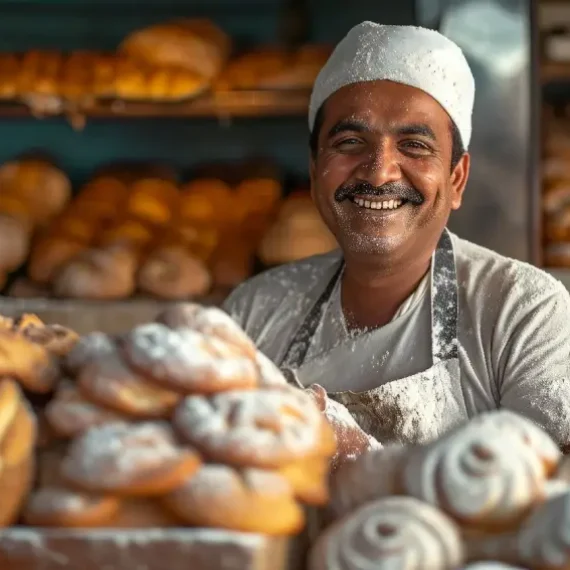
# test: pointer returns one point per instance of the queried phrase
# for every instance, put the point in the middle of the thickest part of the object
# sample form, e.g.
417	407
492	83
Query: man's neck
371	294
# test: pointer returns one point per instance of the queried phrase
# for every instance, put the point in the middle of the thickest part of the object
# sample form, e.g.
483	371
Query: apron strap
444	304
444	309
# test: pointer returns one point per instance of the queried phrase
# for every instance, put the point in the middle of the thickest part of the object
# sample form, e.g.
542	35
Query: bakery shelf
221	105
552	72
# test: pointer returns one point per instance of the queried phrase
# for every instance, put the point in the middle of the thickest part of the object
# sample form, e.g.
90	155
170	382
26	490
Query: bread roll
14	243
49	254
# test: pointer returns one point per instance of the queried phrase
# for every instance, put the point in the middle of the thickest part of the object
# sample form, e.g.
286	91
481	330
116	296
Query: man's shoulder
496	275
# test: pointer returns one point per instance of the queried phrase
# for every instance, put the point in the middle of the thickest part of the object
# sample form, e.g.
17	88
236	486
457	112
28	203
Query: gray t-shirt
513	331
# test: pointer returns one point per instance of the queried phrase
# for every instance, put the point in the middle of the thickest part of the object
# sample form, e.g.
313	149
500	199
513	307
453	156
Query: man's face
382	177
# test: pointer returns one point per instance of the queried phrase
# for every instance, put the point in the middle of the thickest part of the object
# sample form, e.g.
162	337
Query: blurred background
158	149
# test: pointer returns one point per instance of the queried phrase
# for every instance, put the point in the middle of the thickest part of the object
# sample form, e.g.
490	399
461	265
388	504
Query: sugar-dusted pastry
269	374
309	479
186	360
265	428
69	413
87	349
210	321
480	476
63	507
248	500
98	274
525	431
373	475
173	273
129	459
27	362
49	254
395	533
14	242
109	382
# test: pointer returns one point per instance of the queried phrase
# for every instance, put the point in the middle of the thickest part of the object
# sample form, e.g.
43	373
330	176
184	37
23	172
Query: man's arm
534	364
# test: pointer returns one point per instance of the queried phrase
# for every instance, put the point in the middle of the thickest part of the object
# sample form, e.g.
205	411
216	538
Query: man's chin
373	244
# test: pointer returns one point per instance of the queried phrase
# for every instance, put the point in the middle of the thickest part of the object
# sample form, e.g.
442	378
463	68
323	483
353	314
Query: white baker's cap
414	56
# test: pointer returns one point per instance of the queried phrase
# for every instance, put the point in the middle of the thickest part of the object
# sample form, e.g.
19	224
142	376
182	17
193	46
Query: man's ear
458	180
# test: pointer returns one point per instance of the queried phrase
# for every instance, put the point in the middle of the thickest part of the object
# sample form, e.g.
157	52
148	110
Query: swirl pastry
478	476
187	361
27	362
98	274
57	340
69	414
372	475
392	533
87	349
173	273
107	381
129	459
266	428
525	431
65	508
210	321
250	500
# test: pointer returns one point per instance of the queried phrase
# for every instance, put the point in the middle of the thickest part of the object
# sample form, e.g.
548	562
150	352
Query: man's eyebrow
348	125
416	129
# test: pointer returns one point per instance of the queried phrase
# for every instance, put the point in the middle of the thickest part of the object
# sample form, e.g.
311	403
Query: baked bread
49	255
25	288
153	200
14	243
173	273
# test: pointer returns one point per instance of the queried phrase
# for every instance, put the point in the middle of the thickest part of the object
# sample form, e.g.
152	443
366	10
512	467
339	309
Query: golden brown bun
49	255
129	233
143	513
44	187
81	229
194	44
200	240
232	263
153	200
9	65
14	243
174	273
17	207
98	274
25	288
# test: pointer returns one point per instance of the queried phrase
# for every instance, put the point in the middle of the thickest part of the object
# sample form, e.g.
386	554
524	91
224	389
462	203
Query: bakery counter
112	317
111	549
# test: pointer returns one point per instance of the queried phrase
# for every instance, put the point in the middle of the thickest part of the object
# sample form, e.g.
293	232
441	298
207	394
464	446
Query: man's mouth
378	202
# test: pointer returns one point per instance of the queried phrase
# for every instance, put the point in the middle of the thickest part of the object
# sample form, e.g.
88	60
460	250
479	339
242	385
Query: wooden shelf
220	105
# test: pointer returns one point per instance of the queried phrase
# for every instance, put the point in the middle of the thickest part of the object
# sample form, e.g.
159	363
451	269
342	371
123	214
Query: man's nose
380	166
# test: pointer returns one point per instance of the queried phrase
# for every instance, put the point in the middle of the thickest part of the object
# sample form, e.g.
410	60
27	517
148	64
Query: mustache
390	190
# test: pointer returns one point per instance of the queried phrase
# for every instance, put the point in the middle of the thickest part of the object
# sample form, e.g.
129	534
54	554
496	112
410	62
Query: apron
411	410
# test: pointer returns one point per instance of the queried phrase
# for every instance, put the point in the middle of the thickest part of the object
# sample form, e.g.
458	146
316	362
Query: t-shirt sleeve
534	364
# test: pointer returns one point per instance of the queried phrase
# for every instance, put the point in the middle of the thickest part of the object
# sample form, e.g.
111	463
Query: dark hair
457	150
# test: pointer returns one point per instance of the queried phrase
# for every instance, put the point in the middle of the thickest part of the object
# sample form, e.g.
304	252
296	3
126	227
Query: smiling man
409	327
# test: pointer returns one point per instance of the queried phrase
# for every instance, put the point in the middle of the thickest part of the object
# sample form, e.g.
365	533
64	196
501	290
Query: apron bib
411	410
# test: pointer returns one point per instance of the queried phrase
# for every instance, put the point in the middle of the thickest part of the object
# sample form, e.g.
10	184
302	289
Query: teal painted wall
91	24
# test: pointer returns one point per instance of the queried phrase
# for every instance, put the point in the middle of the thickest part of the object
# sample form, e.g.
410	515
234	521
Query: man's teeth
378	204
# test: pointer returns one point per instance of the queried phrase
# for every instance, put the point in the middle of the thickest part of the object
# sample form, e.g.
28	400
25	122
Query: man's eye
347	143
415	145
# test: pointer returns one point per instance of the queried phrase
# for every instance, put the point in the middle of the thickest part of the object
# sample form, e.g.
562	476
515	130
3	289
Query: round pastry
200	240
309	479
69	414
525	431
109	382
187	361
49	255
250	500
197	207
128	233
174	273
76	228
15	234
210	321
260	194
153	200
269	374
28	363
56	339
129	459
480	476
98	274
66	508
395	533
373	475
16	207
266	428
143	513
10	396
90	347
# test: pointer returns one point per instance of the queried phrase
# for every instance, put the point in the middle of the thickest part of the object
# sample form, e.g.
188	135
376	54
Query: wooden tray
172	549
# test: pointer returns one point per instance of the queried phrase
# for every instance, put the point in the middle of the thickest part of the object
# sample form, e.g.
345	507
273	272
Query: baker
410	328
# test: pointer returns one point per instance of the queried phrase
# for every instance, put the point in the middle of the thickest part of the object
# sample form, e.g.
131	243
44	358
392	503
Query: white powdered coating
89	347
186	359
544	539
253	428
373	475
490	565
396	533
476	475
50	500
269	374
525	431
113	454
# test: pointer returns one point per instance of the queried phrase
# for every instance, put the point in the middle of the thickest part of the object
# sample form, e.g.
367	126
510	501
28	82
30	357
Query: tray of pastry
176	441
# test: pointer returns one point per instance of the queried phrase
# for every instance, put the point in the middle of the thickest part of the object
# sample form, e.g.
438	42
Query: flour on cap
414	56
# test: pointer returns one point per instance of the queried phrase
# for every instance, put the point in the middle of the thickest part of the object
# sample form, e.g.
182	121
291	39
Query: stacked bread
556	193
495	490
297	232
180	422
32	193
